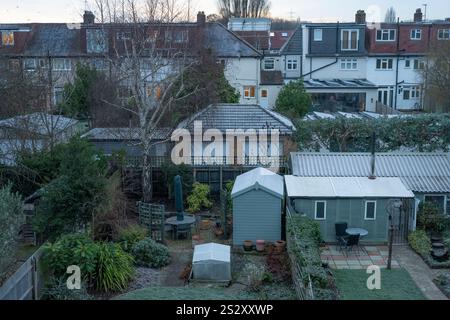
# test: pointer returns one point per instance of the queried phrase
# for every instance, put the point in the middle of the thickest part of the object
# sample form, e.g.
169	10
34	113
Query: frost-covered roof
41	123
259	178
211	252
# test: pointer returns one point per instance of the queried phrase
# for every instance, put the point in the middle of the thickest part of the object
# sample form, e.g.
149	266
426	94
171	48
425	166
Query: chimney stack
88	17
418	16
360	17
201	18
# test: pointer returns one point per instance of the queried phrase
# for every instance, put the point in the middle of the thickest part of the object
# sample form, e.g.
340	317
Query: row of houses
347	67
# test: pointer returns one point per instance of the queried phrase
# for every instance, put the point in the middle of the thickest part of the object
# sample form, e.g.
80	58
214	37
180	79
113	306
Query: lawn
160	293
396	284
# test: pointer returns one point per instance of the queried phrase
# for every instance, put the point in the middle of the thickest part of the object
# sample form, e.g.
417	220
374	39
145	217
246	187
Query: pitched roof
279	38
39	122
258	39
420	172
272	78
346	187
118	134
259	178
225	43
239	116
295	43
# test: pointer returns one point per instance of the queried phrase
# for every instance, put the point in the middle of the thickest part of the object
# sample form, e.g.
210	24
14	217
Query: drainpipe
397	64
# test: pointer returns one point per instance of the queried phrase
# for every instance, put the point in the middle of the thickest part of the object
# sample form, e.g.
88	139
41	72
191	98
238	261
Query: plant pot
270	248
205	225
280	246
260	245
248	245
218	232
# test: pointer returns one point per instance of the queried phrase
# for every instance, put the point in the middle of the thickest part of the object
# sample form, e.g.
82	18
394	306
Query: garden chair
341	234
183	230
351	242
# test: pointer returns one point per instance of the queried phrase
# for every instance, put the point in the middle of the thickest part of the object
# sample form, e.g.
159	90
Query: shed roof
119	134
211	252
39	122
346	187
259	178
420	172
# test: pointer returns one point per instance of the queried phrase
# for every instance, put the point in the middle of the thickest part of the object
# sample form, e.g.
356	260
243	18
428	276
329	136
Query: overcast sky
309	10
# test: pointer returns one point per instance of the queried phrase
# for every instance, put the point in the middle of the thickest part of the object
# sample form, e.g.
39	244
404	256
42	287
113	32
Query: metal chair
341	234
351	242
184	230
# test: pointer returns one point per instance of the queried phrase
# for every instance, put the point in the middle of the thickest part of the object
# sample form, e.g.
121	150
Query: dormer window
386	35
349	40
97	41
7	38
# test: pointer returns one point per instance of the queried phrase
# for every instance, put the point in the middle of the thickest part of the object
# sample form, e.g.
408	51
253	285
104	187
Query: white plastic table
355	231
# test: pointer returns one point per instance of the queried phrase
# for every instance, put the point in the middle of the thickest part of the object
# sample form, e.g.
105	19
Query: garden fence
27	283
304	289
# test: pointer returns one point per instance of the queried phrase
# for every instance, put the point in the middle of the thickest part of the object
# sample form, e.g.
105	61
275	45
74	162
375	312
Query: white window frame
66	62
416	34
409	61
446	200
34	64
318	34
374	210
349	61
324	210
384	60
350	31
249	90
291	63
418	64
184	36
272	60
383	32
443	34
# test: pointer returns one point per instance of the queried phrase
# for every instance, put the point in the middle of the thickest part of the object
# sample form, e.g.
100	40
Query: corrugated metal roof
346	187
39	122
239	116
259	178
420	172
117	134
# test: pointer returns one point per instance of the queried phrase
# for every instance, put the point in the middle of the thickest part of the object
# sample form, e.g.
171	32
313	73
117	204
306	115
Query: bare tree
391	16
243	8
149	56
436	75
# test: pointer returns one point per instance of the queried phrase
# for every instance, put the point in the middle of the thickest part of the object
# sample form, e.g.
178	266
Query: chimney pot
360	17
418	16
88	17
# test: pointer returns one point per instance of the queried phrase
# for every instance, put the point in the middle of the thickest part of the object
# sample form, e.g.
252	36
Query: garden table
355	231
188	220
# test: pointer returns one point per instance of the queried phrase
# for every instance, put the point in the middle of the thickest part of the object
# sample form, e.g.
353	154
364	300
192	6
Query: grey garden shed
258	198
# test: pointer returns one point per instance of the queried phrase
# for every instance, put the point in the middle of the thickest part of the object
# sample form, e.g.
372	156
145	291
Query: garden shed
258	197
211	262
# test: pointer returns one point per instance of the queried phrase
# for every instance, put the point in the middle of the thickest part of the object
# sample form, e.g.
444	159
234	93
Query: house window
29	64
415	92
317	34
168	36
284	34
407	63
444	34
7	38
60	64
386	35
441	201
269	64
97	41
264	94
384	64
123	35
406	94
292	64
416	34
58	95
320	210
371	210
349	64
180	36
249	92
99	64
419	64
349	40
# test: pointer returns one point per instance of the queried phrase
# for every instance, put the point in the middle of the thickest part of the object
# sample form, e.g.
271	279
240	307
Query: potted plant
280	246
248	245
260	245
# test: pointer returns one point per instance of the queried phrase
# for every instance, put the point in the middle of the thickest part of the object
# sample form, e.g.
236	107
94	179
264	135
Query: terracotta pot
218	232
280	246
205	224
248	245
270	248
260	245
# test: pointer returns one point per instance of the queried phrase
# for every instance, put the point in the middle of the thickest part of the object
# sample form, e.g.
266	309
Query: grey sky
310	10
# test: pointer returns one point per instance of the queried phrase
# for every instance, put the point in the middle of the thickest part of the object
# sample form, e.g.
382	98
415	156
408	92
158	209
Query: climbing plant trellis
153	217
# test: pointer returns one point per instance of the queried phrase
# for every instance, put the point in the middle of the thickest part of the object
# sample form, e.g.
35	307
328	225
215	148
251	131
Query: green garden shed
258	198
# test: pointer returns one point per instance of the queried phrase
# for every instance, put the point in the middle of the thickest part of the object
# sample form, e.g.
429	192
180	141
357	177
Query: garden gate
153	217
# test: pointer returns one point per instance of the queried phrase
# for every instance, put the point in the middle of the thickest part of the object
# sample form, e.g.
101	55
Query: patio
373	255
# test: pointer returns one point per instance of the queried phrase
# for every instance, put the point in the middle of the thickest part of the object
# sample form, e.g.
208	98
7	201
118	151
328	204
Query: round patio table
187	221
355	231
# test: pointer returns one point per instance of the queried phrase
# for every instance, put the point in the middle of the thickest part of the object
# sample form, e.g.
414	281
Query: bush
199	198
293	100
114	268
432	218
11	219
420	242
131	235
57	290
104	266
148	253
